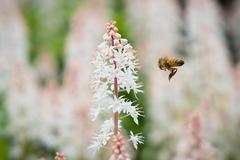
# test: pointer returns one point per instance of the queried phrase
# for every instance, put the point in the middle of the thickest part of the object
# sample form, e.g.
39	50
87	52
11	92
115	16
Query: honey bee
171	64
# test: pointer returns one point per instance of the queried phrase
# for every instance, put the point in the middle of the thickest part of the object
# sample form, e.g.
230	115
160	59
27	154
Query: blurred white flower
213	84
59	112
193	144
22	97
13	41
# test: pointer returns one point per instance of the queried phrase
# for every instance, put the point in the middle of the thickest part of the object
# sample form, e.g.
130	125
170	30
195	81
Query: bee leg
168	67
173	72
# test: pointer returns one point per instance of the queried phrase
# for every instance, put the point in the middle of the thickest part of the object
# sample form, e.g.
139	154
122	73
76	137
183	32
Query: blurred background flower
45	52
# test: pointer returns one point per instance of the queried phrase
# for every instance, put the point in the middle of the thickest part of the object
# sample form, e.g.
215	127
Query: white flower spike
114	69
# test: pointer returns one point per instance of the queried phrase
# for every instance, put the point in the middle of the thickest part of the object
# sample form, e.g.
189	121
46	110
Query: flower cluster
115	69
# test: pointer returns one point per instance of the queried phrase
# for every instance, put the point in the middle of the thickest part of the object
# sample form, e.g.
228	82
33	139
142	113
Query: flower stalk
115	92
114	70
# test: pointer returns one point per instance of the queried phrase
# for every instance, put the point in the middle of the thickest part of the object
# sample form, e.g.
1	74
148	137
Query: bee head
161	64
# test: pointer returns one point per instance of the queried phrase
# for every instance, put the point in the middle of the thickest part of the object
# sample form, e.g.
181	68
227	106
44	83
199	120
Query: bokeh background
45	52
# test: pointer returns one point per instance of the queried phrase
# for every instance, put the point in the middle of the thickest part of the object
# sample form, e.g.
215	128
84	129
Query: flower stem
116	113
115	116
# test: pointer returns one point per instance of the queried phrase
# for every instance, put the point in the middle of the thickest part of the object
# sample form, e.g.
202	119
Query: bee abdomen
179	62
175	62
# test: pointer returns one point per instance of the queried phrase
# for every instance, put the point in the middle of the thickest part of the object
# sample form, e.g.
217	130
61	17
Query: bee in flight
170	64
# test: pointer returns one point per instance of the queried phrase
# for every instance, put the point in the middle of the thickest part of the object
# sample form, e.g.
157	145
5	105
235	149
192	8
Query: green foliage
4	140
4	147
3	115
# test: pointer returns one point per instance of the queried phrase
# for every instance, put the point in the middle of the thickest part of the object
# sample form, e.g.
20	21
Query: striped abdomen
172	62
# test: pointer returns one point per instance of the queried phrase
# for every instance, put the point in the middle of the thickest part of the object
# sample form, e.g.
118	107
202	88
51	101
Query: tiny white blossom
133	111
100	140
108	126
116	106
136	139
